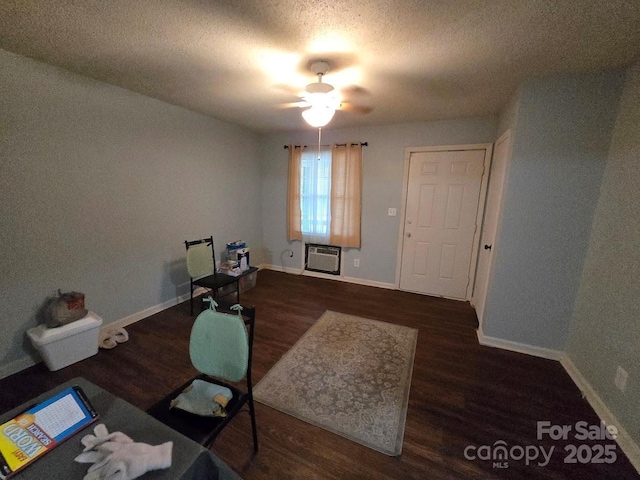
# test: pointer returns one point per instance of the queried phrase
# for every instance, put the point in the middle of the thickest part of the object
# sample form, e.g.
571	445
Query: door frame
505	137
488	149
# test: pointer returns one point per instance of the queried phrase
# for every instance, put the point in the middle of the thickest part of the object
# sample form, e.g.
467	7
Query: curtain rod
364	144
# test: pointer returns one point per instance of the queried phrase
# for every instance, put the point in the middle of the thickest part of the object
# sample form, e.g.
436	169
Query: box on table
243	258
233	247
239	255
62	346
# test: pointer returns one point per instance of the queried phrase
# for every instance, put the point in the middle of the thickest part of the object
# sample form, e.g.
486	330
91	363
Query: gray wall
509	115
560	144
606	330
99	188
382	186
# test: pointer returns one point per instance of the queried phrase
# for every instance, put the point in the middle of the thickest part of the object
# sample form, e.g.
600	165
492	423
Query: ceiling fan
321	100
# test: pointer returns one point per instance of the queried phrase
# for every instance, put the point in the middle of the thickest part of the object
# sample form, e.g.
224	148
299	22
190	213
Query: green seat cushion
199	260
219	345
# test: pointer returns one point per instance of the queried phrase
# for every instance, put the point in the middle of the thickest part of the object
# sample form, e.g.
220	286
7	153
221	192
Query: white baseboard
16	366
518	347
147	312
624	440
278	268
307	273
369	283
26	362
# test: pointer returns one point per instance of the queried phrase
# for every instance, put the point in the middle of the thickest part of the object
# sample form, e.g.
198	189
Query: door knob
488	247
408	235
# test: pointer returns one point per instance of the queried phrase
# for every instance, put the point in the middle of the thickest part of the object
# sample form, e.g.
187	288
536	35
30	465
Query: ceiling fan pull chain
319	141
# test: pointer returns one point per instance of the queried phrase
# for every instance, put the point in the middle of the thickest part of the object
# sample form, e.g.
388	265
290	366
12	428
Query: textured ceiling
241	60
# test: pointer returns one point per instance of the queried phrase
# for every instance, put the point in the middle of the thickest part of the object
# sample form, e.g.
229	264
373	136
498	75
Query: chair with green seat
201	265
221	349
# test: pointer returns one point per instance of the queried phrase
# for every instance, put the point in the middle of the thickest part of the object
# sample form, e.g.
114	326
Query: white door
493	209
443	193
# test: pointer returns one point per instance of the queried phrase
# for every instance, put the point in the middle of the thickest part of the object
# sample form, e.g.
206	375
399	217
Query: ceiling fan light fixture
318	116
322	100
319	88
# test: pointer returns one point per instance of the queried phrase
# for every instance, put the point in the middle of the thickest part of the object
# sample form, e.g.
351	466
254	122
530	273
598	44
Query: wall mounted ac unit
323	258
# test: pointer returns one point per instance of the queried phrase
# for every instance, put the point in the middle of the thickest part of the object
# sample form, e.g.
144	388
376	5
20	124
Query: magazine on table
39	429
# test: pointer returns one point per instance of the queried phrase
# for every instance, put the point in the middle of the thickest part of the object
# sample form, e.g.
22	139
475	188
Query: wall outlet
356	262
392	212
621	379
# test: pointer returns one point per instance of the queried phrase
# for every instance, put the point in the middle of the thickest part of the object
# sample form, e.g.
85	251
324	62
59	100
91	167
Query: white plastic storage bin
62	346
248	281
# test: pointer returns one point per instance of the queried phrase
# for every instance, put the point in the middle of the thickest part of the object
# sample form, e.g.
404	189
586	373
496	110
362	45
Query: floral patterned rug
348	375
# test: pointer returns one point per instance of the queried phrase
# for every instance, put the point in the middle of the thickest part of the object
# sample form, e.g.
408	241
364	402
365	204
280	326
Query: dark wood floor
461	393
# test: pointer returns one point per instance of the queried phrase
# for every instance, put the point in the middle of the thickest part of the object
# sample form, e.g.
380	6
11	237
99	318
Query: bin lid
41	335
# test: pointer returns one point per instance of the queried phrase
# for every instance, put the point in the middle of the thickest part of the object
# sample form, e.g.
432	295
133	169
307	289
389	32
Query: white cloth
115	456
90	454
127	461
199	398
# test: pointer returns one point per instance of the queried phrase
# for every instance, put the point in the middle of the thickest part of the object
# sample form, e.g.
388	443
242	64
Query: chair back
219	345
200	258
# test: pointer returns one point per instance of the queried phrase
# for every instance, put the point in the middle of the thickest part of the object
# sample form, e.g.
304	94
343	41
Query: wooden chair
211	353
201	265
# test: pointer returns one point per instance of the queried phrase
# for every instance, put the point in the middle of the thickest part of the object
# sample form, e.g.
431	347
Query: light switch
392	212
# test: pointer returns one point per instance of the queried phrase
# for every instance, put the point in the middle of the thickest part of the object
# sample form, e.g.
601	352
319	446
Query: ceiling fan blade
347	106
357	99
300	104
355	91
290	89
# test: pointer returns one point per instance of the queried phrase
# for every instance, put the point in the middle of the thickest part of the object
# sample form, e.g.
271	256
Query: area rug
348	375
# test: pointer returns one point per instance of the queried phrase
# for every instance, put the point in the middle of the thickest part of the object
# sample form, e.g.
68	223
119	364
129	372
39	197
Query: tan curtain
346	195
294	228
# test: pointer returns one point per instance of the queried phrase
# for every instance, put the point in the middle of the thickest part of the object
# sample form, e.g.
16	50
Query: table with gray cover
190	461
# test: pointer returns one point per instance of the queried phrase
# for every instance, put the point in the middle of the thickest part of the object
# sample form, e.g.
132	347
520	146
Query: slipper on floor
120	335
108	342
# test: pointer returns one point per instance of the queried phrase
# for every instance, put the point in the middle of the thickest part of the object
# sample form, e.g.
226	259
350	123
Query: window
324	195
315	195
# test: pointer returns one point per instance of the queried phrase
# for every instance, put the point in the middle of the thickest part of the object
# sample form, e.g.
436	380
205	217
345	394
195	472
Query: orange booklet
38	430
